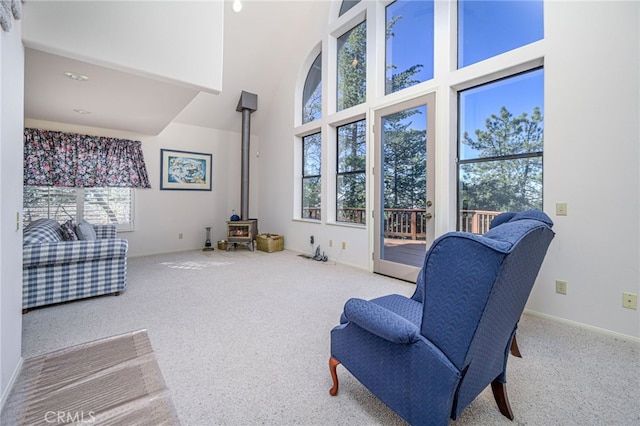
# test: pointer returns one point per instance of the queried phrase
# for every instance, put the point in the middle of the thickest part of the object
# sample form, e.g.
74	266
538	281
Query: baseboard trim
583	326
11	384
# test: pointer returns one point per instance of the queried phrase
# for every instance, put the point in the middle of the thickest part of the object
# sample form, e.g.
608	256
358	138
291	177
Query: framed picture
185	170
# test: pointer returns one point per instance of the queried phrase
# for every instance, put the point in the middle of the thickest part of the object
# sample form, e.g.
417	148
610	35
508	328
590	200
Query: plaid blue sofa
55	270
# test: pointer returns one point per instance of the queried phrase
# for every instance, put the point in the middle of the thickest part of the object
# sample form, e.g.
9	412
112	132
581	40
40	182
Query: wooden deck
407	252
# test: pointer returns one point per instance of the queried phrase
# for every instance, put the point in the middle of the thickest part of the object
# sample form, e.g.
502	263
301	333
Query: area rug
111	381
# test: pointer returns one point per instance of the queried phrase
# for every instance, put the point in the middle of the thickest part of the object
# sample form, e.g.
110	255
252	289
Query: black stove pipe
248	103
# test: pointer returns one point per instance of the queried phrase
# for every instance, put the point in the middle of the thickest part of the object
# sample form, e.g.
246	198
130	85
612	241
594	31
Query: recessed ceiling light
75	76
237	6
81	111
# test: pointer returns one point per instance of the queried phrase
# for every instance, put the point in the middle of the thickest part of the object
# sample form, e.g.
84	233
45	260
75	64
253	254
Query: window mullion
79	204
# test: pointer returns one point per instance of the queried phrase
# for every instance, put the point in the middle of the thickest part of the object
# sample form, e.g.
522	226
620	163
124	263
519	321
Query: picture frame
185	170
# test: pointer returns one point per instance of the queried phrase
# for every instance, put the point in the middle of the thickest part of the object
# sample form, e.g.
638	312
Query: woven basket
270	242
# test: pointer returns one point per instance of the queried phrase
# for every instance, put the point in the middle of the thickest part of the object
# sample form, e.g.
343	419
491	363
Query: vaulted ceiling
258	46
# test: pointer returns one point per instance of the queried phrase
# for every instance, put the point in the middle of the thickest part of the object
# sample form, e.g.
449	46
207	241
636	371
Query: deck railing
408	224
476	221
411	224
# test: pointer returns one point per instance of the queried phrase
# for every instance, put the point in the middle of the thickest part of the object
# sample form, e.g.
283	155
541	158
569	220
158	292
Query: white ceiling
258	43
115	99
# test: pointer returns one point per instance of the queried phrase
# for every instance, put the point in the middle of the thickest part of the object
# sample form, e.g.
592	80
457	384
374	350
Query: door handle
428	216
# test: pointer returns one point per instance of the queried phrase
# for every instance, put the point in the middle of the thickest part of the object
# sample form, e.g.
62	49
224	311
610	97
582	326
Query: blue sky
518	94
486	29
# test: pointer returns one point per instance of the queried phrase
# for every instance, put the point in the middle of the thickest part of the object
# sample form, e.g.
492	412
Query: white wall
11	110
591	162
154	38
161	215
277	175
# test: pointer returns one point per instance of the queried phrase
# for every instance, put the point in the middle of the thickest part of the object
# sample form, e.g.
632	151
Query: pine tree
507	174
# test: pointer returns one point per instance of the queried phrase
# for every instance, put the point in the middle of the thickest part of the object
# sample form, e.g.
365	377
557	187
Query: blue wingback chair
427	357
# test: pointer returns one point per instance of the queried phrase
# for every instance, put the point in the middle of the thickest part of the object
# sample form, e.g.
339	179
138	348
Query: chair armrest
105	231
381	321
73	251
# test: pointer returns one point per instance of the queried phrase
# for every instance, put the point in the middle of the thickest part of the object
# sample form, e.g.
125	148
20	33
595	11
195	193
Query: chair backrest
474	289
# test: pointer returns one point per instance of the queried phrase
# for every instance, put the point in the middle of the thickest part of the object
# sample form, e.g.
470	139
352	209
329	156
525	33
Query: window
312	95
381	54
404	160
351	173
108	205
409	44
489	28
311	176
500	146
347	5
95	205
352	69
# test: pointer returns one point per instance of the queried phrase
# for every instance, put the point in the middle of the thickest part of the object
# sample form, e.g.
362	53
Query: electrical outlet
311	240
344	245
561	287
629	300
561	209
330	243
180	236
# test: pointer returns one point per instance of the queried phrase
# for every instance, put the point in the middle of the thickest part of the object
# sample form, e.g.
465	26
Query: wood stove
242	232
245	230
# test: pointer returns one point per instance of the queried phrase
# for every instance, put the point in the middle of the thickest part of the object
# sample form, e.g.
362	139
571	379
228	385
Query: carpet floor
242	338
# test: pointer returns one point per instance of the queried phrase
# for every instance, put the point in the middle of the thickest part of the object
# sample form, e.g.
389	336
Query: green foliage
506	175
352	159
405	149
311	183
352	67
405	161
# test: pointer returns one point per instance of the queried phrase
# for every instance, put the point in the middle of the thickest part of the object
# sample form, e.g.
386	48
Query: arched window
347	5
312	93
381	54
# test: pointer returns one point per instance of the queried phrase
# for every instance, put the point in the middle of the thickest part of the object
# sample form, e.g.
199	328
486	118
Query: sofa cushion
68	230
85	231
42	231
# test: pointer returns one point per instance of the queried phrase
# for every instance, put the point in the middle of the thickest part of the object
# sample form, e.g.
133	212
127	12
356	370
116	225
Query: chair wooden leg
333	364
500	394
515	351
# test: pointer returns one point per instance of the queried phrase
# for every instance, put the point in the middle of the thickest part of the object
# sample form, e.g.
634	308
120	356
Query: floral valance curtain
82	161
